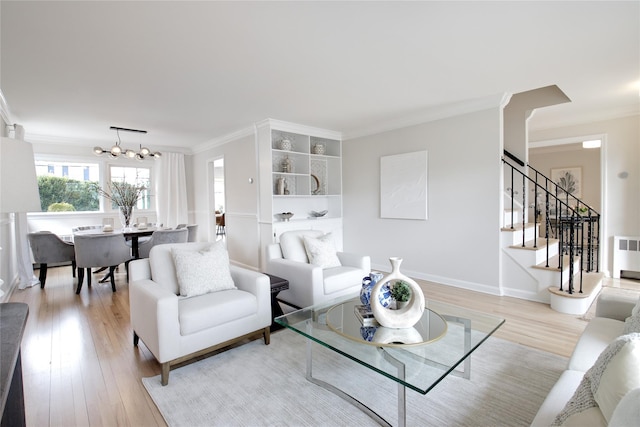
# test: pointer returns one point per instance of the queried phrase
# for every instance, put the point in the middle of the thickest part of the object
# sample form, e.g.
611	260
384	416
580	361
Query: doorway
589	162
217	199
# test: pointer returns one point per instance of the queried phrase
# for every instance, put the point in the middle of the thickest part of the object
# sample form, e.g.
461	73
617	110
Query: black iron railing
561	216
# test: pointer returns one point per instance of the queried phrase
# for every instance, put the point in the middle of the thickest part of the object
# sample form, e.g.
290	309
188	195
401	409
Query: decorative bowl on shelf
285	216
318	214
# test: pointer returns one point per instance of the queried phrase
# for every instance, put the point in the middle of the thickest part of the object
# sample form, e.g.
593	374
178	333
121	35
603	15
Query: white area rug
258	385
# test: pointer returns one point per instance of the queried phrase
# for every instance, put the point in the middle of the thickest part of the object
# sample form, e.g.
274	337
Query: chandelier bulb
116	150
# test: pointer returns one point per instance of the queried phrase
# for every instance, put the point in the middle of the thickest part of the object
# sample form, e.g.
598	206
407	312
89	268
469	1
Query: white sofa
177	328
607	326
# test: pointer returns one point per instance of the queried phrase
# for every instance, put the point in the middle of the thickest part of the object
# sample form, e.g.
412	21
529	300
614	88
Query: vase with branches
125	196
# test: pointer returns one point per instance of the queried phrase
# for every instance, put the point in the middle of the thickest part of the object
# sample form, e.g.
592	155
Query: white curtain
171	189
26	278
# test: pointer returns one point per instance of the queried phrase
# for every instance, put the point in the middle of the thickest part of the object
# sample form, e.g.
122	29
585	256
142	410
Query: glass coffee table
417	358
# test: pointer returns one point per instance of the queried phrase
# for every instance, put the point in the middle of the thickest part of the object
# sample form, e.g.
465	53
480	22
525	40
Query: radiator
626	255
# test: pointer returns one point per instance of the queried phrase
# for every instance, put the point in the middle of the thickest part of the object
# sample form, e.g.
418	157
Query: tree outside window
66	186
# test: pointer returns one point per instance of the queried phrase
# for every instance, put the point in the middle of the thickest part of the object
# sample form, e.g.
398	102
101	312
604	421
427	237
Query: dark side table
277	284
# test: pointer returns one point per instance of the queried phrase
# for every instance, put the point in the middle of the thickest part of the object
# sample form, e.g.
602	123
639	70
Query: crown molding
588	117
432	114
272	124
216	142
301	129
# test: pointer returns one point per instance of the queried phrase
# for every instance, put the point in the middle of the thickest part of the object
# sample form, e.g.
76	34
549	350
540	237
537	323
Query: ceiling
190	72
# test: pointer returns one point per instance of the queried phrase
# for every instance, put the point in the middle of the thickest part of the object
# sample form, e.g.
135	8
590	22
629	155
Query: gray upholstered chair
48	248
193	232
160	237
97	250
74	230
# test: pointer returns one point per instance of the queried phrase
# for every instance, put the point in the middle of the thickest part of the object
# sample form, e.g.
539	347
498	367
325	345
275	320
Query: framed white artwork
403	186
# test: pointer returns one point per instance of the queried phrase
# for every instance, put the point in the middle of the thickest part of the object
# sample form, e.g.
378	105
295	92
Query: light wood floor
80	366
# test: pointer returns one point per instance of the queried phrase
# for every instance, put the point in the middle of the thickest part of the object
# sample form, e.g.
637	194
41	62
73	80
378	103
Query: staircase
559	268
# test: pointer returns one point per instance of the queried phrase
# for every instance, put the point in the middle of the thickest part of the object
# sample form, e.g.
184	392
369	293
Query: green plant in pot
401	292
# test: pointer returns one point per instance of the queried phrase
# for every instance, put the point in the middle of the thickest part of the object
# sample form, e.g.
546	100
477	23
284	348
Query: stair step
555	260
518	227
541	243
591	282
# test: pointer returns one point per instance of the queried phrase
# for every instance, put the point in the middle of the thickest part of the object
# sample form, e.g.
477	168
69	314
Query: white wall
241	216
546	158
459	243
621	153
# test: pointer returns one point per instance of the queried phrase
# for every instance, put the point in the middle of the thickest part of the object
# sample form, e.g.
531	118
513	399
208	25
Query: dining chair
220	225
193	232
97	250
105	221
160	237
48	248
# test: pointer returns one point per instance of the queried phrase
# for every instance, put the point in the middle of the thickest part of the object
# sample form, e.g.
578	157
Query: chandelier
117	150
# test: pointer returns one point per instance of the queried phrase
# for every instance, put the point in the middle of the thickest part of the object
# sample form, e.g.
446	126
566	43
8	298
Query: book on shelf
365	315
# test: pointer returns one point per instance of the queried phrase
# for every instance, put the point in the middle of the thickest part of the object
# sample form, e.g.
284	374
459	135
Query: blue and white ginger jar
367	285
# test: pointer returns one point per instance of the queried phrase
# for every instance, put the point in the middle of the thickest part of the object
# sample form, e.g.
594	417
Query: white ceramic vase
405	317
285	144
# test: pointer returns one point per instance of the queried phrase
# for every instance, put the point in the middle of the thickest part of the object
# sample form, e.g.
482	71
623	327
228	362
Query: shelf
313	165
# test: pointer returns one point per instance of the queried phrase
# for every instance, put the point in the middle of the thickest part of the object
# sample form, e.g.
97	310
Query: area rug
259	385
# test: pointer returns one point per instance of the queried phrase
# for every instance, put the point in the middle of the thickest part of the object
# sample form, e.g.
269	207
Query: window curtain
171	189
26	278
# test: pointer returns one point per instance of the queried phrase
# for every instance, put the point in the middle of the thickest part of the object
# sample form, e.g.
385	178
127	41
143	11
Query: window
134	176
68	186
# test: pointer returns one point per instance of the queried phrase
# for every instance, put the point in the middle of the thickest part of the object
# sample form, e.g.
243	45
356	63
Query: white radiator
626	254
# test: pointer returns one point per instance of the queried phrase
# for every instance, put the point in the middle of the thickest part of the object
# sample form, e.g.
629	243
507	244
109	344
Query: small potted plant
401	292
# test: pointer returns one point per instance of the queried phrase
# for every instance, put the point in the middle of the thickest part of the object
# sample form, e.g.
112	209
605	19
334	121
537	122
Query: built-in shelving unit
301	172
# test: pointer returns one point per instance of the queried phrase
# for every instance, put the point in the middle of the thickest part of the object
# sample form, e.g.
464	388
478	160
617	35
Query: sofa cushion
163	270
615	373
195	313
596	337
321	251
292	244
632	323
627	413
337	279
202	271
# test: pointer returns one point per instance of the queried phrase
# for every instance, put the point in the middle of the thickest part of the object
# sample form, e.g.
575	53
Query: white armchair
177	328
312	284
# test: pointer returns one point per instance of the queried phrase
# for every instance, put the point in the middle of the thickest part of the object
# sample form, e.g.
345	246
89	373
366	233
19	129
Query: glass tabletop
435	347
